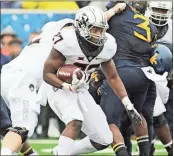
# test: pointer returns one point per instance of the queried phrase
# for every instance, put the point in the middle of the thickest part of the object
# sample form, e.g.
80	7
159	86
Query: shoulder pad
65	41
49	25
57	24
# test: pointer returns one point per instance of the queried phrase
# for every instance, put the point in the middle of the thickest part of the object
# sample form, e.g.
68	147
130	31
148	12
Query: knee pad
159	121
23	132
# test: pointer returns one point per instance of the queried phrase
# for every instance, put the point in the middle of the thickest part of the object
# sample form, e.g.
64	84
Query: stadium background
23	20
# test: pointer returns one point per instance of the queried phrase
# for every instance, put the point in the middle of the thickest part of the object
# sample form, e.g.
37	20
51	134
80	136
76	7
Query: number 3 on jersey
145	26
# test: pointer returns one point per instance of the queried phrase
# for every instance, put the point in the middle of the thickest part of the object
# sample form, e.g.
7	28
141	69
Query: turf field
44	147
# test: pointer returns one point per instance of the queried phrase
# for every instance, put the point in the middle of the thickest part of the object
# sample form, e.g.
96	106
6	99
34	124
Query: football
66	71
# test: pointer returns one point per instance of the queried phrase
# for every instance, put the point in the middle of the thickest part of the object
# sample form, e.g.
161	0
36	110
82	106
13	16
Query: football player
85	44
135	36
163	64
159	12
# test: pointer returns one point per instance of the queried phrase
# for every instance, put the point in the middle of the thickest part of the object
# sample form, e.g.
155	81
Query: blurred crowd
69	5
11	45
53	5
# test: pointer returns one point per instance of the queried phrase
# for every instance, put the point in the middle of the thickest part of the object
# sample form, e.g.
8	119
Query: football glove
132	112
76	83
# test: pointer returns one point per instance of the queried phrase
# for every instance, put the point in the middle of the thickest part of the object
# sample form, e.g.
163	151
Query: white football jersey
167	38
33	56
68	45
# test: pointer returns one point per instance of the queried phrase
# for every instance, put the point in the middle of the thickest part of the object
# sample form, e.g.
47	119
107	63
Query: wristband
126	101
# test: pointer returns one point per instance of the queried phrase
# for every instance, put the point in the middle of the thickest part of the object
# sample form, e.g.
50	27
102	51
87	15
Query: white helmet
89	17
159	12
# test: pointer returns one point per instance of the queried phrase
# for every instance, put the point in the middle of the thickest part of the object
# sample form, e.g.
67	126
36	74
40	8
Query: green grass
43	147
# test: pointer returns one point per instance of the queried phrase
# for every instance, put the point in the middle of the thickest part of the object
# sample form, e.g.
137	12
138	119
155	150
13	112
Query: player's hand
133	114
119	7
165	74
76	83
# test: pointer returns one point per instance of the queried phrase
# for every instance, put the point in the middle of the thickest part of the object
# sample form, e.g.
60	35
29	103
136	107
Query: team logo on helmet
153	59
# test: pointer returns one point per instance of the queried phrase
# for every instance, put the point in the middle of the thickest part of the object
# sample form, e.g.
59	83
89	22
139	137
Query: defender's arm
113	78
114	10
118	87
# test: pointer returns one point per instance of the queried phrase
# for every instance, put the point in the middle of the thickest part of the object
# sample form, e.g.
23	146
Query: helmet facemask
159	12
160	16
96	35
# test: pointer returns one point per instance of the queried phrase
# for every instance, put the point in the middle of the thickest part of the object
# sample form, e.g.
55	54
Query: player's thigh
64	104
136	85
95	124
5	120
148	107
111	104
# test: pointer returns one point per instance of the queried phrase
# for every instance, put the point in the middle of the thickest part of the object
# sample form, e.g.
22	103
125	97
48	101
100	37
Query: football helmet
159	12
161	59
88	18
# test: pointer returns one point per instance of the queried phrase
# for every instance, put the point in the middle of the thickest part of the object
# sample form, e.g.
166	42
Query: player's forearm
53	80
114	10
117	86
109	14
113	78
